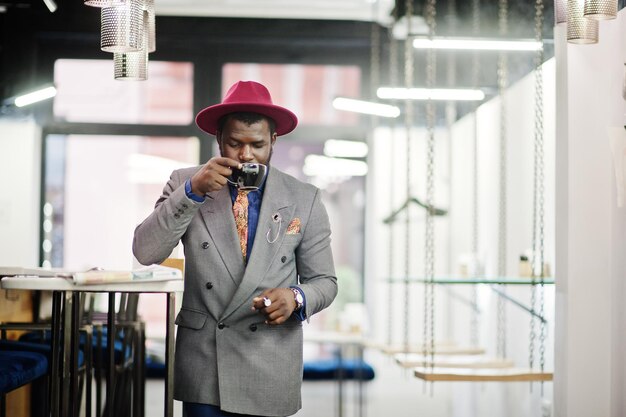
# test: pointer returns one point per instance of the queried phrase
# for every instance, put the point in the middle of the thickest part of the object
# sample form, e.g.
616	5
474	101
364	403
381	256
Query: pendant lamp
580	30
122	26
560	12
133	66
600	9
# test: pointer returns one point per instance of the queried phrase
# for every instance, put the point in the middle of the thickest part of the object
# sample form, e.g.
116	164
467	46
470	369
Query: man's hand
281	304
212	176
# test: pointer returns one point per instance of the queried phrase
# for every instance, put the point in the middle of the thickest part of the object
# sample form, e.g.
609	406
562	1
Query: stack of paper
149	273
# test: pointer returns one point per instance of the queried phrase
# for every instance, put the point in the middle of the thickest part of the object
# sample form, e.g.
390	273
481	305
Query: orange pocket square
294	227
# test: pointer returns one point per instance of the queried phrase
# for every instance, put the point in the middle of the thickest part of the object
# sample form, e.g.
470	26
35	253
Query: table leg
67	354
56	343
169	355
110	394
340	378
74	387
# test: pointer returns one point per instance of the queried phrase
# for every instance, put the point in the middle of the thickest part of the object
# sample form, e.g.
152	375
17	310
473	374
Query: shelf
439	350
468	362
451	280
482	375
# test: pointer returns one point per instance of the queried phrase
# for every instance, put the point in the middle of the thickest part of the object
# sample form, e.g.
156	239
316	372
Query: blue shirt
254	207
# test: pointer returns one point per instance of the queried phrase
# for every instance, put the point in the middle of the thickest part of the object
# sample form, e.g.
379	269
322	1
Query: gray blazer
225	354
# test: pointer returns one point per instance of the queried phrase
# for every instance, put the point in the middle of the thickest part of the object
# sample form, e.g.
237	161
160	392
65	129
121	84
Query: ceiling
454	17
365	10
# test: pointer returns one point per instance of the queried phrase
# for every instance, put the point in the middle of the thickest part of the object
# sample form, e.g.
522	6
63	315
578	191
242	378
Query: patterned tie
240	210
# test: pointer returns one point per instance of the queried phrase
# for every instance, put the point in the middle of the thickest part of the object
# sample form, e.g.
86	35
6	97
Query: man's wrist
298	298
190	194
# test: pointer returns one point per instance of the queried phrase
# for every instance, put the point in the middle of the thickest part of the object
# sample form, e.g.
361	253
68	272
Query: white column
590	238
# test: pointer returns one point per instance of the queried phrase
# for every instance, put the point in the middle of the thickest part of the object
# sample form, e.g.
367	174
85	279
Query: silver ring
267	302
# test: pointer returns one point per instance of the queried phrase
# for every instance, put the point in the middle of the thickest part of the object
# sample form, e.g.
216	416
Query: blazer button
253	327
176	215
209	285
185	206
221	326
283	259
205	245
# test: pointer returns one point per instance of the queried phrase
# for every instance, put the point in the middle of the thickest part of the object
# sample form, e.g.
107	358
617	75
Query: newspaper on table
149	273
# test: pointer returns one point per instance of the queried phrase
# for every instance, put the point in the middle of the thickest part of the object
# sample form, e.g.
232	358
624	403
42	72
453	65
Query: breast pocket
191	319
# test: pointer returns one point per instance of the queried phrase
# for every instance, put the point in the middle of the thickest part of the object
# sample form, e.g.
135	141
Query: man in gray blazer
249	284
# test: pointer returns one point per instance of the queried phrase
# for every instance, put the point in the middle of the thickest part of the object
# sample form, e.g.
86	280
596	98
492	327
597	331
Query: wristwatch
298	297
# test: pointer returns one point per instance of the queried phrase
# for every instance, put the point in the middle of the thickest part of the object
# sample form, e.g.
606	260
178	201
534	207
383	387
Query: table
65	322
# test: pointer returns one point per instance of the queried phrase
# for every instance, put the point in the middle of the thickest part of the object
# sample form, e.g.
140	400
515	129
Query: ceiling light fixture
345	148
560	12
580	30
600	9
445	94
35	96
521	45
366	107
51	5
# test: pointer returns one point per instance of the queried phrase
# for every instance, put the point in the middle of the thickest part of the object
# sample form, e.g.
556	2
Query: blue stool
340	370
18	368
334	369
40	388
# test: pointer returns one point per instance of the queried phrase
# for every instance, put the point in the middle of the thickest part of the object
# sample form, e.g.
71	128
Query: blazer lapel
276	211
217	212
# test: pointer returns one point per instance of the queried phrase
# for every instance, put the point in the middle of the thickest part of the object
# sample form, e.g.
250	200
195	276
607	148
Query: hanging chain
393	81
538	197
502	244
474	249
429	250
374	60
408	122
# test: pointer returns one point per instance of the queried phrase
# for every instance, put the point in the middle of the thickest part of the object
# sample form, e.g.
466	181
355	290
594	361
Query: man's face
246	143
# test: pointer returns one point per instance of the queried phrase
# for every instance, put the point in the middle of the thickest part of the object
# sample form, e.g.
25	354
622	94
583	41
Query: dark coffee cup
249	177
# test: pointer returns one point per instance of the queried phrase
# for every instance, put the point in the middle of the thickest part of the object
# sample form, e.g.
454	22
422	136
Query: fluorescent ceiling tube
478	44
345	148
51	5
366	107
35	96
446	94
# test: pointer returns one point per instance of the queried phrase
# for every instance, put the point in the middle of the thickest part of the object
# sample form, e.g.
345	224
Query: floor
392	392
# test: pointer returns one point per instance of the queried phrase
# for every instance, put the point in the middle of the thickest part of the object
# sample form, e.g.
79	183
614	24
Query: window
307	90
165	98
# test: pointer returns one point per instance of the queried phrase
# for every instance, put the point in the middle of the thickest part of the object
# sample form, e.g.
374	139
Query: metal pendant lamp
122	26
133	66
580	30
600	9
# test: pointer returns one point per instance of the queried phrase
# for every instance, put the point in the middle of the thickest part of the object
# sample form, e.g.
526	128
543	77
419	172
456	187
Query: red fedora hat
247	96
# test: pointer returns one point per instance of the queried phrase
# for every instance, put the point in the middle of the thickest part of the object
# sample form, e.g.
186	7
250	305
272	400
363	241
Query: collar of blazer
218	217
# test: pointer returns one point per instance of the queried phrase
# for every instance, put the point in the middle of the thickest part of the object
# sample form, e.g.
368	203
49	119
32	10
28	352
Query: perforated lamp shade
133	66
98	3
600	9
122	26
151	22
580	29
560	12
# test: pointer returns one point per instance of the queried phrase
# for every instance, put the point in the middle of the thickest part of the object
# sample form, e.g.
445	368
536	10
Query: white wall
20	149
590	345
